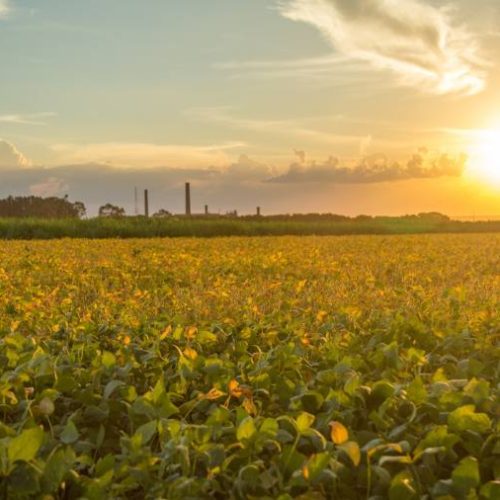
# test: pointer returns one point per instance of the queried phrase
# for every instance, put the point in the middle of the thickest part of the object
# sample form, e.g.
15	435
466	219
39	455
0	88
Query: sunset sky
345	106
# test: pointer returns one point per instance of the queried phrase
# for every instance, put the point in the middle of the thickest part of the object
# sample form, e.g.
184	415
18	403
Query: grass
140	227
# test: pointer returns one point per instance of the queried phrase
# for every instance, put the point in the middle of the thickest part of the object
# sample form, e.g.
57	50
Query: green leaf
25	446
70	433
491	490
351	449
108	359
147	431
403	487
58	465
466	475
315	465
304	421
416	391
246	430
465	418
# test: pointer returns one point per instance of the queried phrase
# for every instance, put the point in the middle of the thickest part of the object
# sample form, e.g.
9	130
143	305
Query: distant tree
80	209
162	213
110	210
434	216
35	206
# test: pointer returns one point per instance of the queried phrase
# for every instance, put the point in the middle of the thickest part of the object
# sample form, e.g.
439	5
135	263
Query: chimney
188	198
206	209
258	211
146	203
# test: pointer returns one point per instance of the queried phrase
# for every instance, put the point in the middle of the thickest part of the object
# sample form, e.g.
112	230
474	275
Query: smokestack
146	203
258	211
188	198
206	209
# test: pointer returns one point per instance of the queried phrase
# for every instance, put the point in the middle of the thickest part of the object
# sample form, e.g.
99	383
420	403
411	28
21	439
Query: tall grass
141	227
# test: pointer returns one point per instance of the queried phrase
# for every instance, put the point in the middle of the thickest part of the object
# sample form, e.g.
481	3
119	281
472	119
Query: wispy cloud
4	8
145	155
418	42
27	119
373	169
290	128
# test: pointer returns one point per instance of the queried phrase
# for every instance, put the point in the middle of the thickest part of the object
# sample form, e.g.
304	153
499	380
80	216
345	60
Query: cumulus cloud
52	186
419	42
374	169
10	156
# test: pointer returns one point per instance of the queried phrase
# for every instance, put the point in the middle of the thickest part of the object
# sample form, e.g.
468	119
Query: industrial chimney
188	198
146	203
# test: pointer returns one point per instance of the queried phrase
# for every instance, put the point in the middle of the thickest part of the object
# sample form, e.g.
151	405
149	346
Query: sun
485	156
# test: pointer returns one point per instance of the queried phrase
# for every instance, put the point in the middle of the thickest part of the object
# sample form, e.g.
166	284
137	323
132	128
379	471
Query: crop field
278	367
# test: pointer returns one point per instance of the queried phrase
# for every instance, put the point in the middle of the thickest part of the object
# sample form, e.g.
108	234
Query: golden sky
347	106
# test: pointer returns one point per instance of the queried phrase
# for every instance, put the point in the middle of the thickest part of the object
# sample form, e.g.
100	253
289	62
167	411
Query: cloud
27	119
52	186
4	8
418	42
147	155
374	169
10	157
287	128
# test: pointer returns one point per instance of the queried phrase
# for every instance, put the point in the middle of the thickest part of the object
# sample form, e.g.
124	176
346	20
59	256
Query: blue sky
297	105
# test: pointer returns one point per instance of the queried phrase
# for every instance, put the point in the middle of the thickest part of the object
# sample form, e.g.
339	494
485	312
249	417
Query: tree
35	206
110	210
162	213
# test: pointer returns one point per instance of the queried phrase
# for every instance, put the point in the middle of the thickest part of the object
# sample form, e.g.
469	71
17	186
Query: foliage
110	210
47	208
114	225
348	367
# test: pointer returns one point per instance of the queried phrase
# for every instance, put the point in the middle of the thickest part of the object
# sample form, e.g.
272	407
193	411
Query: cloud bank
418	42
11	157
374	169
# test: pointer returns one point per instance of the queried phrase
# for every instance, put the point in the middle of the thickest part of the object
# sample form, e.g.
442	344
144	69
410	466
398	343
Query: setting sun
485	156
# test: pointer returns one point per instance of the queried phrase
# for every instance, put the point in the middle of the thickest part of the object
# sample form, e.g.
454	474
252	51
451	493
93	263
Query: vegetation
46	208
116	226
110	210
349	367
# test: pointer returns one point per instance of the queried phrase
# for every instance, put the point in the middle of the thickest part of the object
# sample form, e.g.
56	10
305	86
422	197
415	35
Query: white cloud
11	157
52	186
4	8
26	119
418	42
147	155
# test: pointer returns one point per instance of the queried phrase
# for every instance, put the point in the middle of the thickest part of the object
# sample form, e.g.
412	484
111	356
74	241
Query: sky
346	106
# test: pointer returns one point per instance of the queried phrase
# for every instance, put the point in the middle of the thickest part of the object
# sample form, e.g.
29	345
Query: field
214	226
281	367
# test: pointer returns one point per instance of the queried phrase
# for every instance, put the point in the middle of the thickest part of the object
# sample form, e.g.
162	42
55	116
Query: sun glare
485	157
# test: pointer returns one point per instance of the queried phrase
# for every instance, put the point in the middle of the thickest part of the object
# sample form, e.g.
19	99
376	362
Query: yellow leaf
338	432
190	353
249	406
235	389
214	394
166	332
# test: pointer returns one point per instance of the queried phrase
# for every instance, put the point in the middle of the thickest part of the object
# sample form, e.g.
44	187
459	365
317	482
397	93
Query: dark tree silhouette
162	213
47	208
110	210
